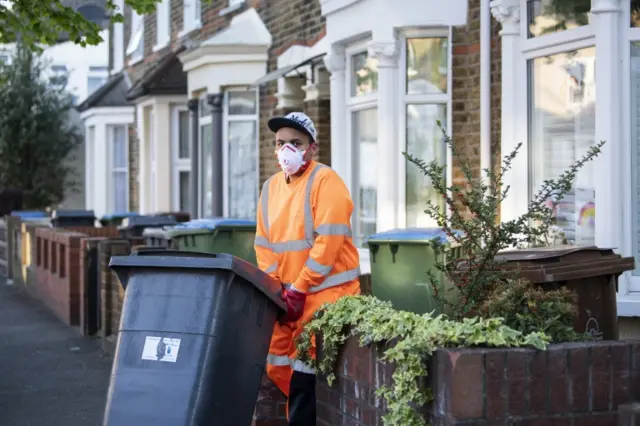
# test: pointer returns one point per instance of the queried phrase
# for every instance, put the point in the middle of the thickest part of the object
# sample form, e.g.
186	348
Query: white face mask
291	159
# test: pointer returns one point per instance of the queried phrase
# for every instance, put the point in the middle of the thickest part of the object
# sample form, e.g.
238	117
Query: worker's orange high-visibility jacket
303	237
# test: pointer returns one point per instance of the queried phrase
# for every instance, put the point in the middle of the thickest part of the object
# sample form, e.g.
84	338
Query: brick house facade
190	73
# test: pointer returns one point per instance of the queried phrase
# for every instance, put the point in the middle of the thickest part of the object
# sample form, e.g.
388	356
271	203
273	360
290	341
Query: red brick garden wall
569	384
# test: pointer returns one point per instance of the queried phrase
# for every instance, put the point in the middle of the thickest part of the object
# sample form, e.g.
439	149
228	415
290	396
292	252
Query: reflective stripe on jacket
303	234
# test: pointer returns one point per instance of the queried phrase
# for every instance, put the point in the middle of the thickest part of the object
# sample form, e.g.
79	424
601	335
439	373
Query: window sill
231	8
136	60
188	30
158	47
629	305
365	261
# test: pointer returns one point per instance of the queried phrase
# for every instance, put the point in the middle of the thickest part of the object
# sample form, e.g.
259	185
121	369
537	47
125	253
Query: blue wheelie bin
193	339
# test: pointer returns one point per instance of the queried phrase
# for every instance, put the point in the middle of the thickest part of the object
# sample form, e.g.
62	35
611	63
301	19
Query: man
303	239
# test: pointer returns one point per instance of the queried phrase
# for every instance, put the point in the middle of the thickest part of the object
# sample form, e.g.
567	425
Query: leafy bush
528	308
473	208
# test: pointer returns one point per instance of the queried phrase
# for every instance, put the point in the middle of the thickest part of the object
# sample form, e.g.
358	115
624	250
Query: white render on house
107	158
229	63
593	74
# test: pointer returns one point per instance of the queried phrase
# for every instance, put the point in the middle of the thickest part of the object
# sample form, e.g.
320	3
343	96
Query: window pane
242	103
120	192
184	195
204	108
635	13
562	117
183	134
206	178
364	74
635	152
119	147
427	62
365	141
550	16
243	169
424	141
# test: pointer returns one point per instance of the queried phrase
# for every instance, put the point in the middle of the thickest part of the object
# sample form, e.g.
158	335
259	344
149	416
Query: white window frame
153	161
178	164
355	104
118	40
113	169
104	75
135	49
202	121
225	145
629	285
163	24
405	99
191	16
90	163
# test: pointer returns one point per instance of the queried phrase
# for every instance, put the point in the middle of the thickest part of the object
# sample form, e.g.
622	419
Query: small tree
473	210
36	135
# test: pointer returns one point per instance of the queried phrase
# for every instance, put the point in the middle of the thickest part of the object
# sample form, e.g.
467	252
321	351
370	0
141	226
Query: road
49	374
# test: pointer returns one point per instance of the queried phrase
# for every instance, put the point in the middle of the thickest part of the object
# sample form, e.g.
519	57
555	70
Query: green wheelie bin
219	235
400	260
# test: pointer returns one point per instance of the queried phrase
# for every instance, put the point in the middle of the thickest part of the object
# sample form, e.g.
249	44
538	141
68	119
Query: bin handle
161	251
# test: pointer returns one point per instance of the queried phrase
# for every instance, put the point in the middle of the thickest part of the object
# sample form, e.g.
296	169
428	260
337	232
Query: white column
143	161
513	117
340	145
387	202
606	21
162	135
101	170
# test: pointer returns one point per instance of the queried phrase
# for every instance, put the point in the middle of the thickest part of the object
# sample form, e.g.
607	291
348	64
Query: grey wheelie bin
133	227
400	259
219	235
115	219
193	339
71	218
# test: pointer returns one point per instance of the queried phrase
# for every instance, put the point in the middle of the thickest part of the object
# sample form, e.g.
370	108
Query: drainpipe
485	86
217	207
195	161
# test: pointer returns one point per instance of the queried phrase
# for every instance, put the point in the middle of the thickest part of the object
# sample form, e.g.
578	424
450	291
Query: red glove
294	300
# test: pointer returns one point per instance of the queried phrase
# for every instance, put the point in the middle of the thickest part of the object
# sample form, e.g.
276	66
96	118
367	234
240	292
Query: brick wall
291	22
569	384
320	112
111	293
466	91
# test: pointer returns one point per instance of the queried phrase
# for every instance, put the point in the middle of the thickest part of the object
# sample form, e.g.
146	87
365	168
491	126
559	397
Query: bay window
426	97
362	104
191	16
415	79
119	165
240	153
205	188
181	159
561	130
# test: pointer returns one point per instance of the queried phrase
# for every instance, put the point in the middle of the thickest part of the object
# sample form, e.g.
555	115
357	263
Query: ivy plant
407	340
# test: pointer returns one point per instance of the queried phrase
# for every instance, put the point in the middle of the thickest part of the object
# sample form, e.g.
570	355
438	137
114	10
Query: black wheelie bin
193	339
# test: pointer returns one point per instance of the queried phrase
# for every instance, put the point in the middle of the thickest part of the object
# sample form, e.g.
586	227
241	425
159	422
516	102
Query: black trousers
302	399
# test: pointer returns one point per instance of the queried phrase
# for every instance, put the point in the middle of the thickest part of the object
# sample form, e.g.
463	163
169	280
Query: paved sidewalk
49	374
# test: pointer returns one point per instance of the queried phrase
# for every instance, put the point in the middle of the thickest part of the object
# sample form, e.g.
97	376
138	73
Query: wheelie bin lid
147	222
411	236
73	214
208	225
177	259
119	215
29	214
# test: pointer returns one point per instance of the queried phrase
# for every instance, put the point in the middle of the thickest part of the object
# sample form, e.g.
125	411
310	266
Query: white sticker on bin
161	349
